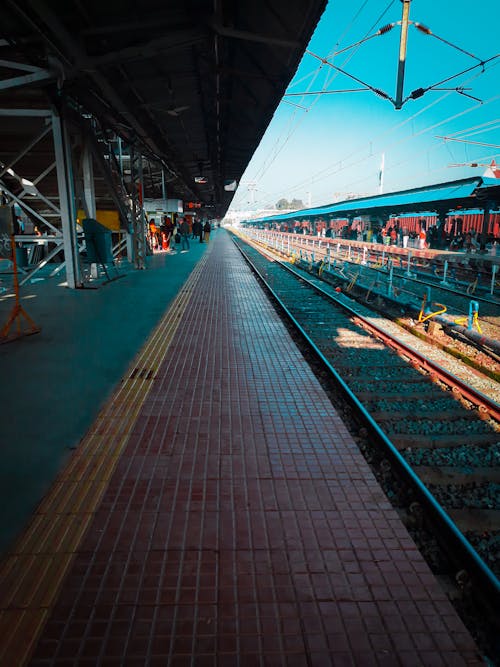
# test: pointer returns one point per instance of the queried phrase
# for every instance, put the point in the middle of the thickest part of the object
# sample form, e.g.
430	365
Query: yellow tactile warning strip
31	575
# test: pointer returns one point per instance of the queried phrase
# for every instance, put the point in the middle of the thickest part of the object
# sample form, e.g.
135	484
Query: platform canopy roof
194	82
468	193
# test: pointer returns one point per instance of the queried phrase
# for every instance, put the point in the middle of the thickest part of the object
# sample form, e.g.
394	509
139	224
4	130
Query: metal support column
163	189
402	53
442	215
138	216
65	185
88	181
486	223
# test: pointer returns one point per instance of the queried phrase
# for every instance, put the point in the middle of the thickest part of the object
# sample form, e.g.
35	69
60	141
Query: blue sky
333	144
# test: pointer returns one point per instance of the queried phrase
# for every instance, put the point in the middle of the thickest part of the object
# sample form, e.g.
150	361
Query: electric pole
405	19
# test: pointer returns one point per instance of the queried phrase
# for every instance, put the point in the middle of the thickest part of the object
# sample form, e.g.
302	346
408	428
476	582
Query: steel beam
25	150
28	208
138	216
21	113
67	200
111	173
24	67
44	262
26	79
183	39
483	237
76	53
88	180
245	35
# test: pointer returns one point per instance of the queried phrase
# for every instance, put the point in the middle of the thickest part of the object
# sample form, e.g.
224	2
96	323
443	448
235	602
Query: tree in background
284	204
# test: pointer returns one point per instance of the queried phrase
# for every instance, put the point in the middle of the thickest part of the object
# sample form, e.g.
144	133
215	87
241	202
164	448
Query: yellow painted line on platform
24	625
32	574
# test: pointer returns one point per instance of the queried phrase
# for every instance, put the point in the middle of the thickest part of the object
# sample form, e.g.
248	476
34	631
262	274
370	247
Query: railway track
455	288
441	431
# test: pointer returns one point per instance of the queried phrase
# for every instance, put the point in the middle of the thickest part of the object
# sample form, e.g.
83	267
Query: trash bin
21	256
97	242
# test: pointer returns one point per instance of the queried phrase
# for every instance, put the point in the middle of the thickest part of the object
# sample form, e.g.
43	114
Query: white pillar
88	181
66	200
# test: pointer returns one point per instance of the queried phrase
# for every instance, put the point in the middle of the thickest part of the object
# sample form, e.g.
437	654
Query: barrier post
494	270
445	273
408	265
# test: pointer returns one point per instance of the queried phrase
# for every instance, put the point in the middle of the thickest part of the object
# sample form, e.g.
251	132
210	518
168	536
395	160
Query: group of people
441	238
170	233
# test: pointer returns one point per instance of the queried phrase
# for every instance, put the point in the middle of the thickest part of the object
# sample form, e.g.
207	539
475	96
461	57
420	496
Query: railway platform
218	512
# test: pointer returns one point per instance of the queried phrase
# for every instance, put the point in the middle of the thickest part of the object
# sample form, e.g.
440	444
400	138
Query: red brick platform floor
237	524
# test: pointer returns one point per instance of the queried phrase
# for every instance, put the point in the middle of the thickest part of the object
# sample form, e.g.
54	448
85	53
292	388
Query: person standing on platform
153	234
206	231
197	229
168	233
184	231
175	236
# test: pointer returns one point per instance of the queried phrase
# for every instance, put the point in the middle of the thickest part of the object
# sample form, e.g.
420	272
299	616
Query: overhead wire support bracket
325	61
399	101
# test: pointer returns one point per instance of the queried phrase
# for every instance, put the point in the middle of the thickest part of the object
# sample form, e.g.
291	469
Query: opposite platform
219	513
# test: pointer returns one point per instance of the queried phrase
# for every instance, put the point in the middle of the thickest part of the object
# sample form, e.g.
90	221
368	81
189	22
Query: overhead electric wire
412	156
352	21
466	141
297	106
329	80
311	180
340	165
377	91
418	92
427	31
269	160
336	73
383	31
261	172
476	161
480	128
392	129
379	18
326	92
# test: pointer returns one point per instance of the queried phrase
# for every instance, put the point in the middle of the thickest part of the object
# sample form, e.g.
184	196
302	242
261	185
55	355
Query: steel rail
459	550
472	395
477	398
480	339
